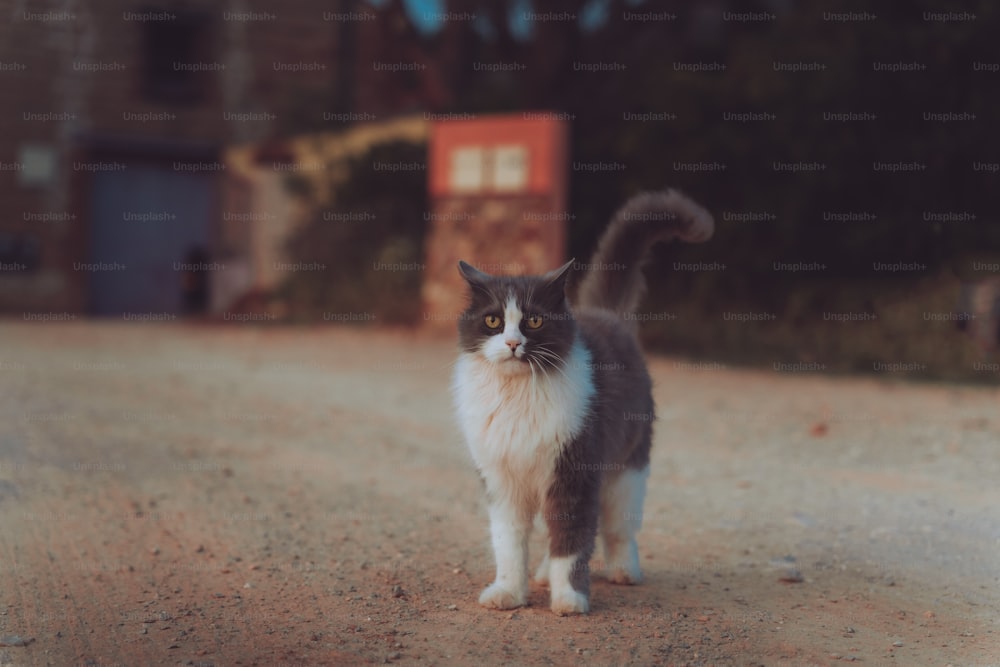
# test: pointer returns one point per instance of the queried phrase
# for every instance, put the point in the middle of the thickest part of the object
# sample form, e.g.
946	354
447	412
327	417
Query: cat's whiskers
555	361
546	350
551	359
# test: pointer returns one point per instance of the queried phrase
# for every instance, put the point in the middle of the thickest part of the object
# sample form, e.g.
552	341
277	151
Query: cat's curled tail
614	278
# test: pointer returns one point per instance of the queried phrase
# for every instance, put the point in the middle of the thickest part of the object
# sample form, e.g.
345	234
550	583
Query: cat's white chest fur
517	425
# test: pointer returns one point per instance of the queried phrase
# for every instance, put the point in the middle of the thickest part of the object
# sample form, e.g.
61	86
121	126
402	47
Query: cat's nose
512	344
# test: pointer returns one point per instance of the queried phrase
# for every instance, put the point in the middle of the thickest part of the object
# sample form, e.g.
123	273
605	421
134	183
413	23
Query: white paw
497	596
622	565
569	602
625	574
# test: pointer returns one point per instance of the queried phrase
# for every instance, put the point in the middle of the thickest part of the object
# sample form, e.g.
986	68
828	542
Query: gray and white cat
556	406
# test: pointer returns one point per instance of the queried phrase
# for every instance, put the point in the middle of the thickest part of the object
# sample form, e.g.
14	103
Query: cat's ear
556	278
471	274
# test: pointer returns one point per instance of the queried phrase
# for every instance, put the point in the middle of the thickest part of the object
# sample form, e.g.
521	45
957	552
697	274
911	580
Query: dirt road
197	495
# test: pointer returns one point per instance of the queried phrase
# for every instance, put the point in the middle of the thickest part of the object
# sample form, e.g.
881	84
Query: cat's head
519	324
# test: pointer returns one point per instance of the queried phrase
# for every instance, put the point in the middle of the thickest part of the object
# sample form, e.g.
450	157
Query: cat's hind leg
622	497
542	573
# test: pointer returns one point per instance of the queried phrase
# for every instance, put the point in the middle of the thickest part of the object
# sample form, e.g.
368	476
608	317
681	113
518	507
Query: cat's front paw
497	596
566	603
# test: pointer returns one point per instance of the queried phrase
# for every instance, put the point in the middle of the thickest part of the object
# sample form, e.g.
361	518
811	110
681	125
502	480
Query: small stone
395	655
819	429
15	640
897	644
791	576
247	585
452	607
397	591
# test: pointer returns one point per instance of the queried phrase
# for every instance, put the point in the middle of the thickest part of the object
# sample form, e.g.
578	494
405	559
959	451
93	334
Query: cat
556	406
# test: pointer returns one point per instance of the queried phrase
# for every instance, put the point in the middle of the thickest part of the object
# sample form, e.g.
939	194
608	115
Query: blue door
148	219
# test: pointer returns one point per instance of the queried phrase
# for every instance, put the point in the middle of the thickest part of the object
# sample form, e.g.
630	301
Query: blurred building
498	188
115	118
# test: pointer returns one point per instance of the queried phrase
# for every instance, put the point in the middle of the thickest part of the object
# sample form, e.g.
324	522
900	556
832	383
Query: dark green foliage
370	240
649	81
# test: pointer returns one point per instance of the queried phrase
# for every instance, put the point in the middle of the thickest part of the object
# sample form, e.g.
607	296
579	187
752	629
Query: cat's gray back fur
623	410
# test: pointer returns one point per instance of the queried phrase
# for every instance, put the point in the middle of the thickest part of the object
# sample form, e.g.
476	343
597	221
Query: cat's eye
492	321
534	321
